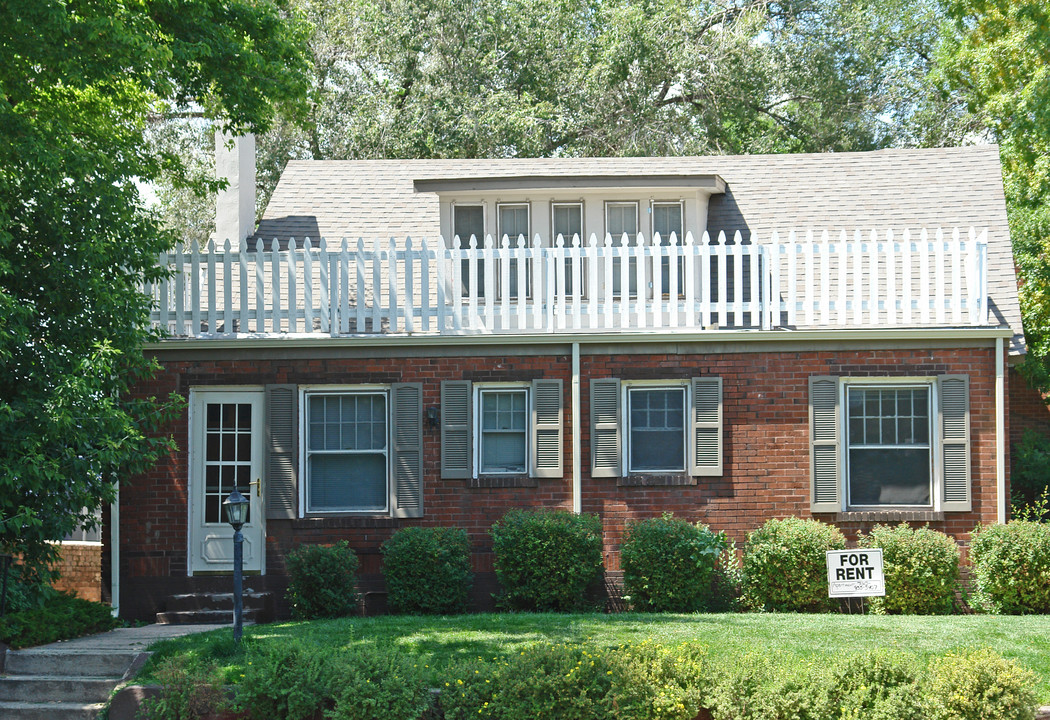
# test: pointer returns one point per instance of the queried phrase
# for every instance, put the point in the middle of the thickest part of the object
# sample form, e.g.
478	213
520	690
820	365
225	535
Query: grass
442	642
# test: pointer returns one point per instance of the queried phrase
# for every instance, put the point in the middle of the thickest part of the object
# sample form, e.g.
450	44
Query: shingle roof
898	189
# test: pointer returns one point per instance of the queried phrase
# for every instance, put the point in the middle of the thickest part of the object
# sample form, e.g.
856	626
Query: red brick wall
765	445
80	570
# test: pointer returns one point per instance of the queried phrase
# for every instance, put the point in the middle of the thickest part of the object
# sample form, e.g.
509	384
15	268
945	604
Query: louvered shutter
547	444
707	427
825	424
605	428
282	431
408	449
954	411
457	447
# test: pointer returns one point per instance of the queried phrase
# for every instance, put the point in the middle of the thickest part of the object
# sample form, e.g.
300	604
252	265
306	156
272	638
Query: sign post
855	573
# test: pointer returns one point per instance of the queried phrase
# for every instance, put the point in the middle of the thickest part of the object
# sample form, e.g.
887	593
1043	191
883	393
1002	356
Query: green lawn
442	641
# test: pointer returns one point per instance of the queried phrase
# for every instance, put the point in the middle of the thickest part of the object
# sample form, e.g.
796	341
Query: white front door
226	436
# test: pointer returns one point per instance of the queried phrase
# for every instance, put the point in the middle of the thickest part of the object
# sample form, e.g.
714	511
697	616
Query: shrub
878	685
1011	564
290	680
188	690
545	559
321	581
785	568
376	684
921	568
427	570
669	564
62	617
632	682
979	685
757	688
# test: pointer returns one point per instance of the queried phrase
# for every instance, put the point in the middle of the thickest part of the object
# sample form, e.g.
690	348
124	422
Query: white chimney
235	206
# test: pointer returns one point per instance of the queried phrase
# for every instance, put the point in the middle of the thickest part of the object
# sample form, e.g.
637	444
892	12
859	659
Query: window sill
341	522
884	516
655	480
502	481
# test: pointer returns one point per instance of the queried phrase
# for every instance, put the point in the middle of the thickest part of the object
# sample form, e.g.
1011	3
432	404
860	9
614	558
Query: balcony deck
627	285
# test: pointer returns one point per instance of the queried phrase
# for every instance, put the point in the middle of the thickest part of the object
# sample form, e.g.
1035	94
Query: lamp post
236	509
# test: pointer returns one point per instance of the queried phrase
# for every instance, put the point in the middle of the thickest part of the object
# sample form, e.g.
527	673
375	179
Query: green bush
1011	568
669	564
62	617
921	568
759	688
785	569
321	581
293	680
545	559
979	685
878	685
189	690
632	682
427	570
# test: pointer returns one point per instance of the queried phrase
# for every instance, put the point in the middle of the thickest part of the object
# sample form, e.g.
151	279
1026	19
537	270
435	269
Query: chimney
235	206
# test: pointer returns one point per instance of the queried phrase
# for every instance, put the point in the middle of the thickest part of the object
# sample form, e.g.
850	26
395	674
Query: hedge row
292	680
549	560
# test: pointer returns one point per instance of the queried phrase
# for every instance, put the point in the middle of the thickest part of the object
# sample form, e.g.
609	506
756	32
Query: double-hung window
468	221
656	429
667	221
889	444
671	427
567	223
502	429
621	218
513	221
888	456
347	451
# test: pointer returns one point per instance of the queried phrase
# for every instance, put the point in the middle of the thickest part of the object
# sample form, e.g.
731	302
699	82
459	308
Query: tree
79	81
528	78
997	55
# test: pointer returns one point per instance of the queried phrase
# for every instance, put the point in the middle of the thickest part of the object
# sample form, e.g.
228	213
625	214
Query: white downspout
114	554
1000	433
577	459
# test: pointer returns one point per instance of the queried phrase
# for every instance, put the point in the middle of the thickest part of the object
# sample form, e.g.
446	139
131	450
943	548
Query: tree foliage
997	55
79	81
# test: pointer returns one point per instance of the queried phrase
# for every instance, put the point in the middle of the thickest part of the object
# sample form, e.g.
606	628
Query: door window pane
656	434
567	221
621	218
227	456
514	224
667	220
469	221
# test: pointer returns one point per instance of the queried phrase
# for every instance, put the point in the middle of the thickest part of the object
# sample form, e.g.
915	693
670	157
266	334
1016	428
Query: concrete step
216	601
49	710
206	617
56	688
44	661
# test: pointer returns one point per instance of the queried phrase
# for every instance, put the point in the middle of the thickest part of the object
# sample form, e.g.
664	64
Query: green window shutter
707	427
408	449
282	432
457	444
825	423
547	428
954	432
605	428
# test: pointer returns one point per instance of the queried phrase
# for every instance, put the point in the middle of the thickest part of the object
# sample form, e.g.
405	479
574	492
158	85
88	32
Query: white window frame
664	240
616	239
481	389
464	244
513	240
465	241
512	244
305	393
578	204
891	383
627	386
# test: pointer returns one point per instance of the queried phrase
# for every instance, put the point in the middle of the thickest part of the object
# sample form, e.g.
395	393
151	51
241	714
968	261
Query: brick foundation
80	570
765	453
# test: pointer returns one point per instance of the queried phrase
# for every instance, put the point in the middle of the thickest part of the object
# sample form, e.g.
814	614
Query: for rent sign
855	573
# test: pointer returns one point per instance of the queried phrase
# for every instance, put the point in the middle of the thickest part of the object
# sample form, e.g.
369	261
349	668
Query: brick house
727	338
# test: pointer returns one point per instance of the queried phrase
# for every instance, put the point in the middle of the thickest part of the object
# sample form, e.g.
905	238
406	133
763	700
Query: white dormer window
667	221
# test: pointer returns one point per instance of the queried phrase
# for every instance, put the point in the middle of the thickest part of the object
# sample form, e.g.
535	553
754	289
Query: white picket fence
627	285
